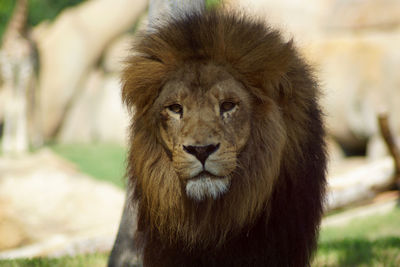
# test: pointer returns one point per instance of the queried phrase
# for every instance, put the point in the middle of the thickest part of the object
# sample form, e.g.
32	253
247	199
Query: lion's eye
227	106
176	108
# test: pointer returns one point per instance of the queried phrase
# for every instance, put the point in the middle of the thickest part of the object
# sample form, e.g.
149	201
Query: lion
227	154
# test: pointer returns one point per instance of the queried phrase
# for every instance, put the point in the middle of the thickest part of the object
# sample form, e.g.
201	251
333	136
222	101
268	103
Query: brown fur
271	213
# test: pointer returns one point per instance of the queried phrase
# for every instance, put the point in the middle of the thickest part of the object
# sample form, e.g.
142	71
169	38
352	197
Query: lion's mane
271	214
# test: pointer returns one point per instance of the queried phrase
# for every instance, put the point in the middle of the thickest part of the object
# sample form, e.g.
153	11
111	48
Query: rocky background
49	208
353	44
81	55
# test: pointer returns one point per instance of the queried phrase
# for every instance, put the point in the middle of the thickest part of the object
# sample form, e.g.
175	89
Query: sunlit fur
270	213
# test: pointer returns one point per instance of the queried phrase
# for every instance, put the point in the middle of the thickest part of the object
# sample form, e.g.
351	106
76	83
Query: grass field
94	260
105	162
370	241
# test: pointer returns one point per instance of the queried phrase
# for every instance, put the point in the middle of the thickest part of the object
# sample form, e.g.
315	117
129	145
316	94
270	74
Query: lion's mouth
206	185
206	174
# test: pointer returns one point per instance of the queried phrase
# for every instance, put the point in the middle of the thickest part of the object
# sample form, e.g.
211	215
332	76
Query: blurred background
63	129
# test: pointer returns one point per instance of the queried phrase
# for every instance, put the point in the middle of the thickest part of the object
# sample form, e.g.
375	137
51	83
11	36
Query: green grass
211	3
371	241
371	227
105	162
93	260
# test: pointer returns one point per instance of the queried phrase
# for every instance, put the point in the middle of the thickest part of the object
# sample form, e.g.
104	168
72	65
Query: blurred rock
78	125
97	114
356	14
335	154
12	234
301	19
117	53
376	148
309	18
111	118
70	46
359	79
46	198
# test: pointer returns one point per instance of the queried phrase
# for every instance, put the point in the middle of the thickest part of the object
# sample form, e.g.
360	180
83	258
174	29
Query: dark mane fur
263	221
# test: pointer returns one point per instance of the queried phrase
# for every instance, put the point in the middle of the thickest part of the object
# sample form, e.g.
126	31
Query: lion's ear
272	73
141	82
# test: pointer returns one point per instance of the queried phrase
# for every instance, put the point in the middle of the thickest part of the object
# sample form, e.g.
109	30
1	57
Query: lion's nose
201	152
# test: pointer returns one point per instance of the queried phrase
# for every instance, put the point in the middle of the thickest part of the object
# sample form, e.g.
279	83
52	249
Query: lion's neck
241	250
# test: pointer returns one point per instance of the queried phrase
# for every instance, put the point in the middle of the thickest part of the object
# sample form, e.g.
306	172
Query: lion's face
205	154
205	123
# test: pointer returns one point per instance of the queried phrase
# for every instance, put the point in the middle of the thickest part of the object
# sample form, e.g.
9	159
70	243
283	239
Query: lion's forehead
202	84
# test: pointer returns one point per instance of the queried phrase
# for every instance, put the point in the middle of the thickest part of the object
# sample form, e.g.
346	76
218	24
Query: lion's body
227	159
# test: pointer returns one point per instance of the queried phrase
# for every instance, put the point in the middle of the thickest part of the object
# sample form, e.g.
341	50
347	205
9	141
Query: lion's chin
207	186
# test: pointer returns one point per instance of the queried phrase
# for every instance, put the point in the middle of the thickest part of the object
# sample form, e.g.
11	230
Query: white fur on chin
202	187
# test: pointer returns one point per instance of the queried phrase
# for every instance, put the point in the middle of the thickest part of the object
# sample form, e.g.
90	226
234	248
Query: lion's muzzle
205	183
201	152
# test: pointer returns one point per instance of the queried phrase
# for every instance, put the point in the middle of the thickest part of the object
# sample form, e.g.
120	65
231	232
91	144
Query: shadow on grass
362	251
